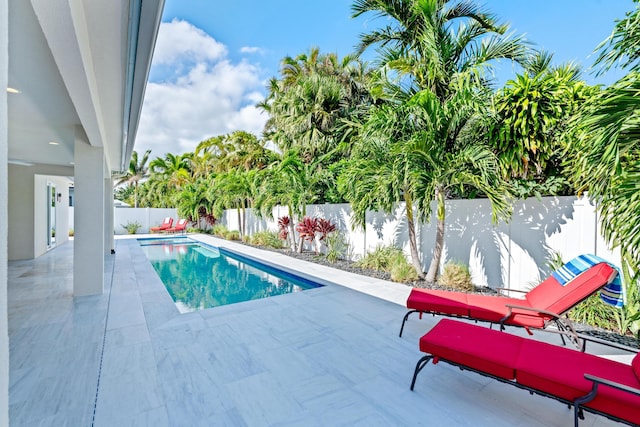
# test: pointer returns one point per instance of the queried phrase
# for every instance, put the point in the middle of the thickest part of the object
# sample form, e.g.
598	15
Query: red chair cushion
635	365
560	371
552	296
479	348
494	309
453	303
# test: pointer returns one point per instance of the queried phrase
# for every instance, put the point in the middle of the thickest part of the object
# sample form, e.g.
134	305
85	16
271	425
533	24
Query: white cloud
205	94
179	41
251	49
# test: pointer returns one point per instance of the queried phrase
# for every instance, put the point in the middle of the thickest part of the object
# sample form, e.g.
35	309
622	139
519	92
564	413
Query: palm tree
606	157
194	201
291	182
436	43
174	168
138	171
380	173
233	189
398	159
462	164
438	52
309	105
246	151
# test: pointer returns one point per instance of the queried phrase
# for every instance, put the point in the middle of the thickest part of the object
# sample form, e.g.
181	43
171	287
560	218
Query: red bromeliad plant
325	227
283	227
307	229
284	224
208	217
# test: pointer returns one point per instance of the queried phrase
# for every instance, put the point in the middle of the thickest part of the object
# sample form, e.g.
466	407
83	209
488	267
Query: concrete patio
324	357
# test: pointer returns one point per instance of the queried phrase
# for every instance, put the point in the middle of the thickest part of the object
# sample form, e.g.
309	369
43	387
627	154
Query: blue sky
213	57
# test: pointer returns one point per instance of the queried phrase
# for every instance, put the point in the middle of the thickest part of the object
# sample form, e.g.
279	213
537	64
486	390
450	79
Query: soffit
68	59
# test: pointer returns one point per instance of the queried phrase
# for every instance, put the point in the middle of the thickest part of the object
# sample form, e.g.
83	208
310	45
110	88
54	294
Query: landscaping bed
352	267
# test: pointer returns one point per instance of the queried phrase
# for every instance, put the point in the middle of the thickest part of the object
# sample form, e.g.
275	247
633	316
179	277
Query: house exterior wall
513	254
21	185
27	210
4	327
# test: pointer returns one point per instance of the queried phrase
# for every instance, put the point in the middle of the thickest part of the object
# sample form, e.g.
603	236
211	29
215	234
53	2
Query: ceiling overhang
78	63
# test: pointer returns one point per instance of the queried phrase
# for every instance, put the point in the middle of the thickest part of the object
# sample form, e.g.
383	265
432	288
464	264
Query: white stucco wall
20	211
4	329
88	248
513	254
27	210
146	217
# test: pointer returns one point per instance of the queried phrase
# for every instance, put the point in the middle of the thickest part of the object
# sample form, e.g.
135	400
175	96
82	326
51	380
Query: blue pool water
198	276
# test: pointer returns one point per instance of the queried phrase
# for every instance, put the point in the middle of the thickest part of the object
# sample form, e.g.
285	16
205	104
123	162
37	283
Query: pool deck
329	356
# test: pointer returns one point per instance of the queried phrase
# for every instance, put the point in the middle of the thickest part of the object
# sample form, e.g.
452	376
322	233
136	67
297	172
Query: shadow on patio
324	357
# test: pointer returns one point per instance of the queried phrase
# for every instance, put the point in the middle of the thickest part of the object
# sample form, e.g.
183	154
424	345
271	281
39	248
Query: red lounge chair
586	381
181	226
544	304
166	223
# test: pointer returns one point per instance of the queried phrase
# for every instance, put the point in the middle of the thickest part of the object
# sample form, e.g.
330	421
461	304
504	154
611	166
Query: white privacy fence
146	217
513	254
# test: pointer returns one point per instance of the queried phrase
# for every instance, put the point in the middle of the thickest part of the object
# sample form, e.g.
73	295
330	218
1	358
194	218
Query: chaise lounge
166	224
595	384
541	306
181	226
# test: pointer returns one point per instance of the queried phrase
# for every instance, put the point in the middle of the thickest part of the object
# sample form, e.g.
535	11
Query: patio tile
326	356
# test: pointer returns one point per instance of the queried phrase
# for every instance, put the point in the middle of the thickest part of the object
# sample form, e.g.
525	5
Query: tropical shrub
232	235
337	246
628	317
219	230
131	226
380	258
402	270
266	238
457	276
595	312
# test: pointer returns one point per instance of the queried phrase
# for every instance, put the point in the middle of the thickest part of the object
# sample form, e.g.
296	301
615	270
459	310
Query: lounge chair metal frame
578	404
578	408
562	322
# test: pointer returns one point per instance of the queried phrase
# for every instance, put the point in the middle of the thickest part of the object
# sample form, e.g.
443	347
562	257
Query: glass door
51	215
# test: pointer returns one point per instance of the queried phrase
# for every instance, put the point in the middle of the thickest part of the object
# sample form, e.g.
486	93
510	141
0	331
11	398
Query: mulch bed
350	266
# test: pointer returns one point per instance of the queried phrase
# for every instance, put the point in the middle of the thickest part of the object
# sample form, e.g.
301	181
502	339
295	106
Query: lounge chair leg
577	410
561	329
406	316
421	364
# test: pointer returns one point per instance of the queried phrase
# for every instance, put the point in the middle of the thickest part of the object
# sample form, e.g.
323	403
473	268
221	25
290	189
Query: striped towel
613	293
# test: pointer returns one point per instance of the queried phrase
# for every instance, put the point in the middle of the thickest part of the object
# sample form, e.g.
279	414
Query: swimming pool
198	276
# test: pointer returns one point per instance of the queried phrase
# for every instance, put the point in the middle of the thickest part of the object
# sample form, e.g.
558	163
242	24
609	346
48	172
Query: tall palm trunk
304	213
239	221
413	246
292	230
434	267
135	194
244	218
